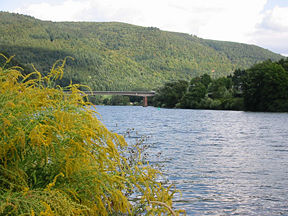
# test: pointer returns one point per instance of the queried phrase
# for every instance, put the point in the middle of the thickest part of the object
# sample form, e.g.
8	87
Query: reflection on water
224	162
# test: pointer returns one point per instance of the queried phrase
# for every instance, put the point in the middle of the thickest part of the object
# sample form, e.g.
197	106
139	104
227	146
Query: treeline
263	87
118	56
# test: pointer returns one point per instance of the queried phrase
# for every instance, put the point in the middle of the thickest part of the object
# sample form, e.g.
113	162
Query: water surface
224	162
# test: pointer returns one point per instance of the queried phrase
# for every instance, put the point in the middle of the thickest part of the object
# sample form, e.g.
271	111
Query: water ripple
224	162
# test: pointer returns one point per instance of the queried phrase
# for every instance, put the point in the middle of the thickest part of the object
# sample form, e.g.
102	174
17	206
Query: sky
260	22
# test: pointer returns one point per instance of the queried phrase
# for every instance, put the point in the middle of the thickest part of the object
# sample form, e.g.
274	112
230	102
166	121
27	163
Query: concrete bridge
143	94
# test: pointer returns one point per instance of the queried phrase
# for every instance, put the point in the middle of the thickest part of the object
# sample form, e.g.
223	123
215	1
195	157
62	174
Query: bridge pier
145	101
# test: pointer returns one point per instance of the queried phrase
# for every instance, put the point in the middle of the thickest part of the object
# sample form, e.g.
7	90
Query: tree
266	87
197	91
221	88
205	79
237	79
284	63
171	93
194	96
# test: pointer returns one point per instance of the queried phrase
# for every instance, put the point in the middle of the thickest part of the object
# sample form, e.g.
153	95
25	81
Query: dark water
224	162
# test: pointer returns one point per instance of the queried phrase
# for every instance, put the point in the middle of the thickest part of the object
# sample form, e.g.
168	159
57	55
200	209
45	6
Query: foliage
242	54
221	88
266	87
170	94
284	63
118	56
238	80
57	158
202	93
205	79
196	92
263	87
119	100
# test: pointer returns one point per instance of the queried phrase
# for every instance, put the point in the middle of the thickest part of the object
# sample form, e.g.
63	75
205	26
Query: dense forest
118	56
262	87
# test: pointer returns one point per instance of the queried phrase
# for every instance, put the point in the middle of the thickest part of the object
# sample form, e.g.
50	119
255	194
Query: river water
224	162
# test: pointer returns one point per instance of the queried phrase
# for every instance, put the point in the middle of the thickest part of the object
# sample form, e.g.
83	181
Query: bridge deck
127	93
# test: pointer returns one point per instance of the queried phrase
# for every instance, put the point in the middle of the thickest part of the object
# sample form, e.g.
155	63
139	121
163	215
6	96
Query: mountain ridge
120	56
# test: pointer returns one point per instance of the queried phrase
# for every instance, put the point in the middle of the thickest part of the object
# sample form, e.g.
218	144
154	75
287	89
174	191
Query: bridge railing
127	93
143	94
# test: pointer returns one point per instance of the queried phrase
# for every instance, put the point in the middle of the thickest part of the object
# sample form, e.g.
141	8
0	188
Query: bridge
143	94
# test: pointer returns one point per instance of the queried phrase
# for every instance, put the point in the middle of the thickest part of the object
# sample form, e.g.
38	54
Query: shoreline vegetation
262	87
57	158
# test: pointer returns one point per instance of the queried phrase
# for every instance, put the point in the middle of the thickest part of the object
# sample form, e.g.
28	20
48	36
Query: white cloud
68	10
276	19
272	32
231	20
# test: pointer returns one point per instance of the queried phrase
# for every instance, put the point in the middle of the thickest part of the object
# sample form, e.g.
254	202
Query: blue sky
272	3
260	22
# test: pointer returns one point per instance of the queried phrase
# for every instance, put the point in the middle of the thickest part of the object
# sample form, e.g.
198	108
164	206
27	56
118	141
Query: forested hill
118	56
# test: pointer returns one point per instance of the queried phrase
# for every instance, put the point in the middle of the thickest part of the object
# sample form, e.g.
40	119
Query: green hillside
118	56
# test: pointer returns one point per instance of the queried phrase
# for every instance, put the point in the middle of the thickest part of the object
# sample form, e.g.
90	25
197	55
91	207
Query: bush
57	158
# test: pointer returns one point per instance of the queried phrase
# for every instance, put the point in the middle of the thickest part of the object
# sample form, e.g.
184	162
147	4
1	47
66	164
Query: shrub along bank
57	158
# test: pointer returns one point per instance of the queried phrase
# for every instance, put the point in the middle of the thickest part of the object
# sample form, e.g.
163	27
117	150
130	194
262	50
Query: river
224	162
